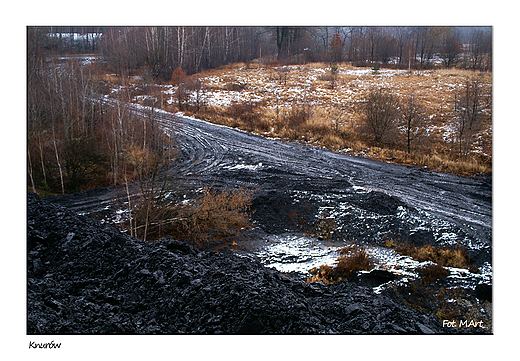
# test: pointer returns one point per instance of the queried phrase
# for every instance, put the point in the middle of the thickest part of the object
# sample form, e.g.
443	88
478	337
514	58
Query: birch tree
469	104
413	119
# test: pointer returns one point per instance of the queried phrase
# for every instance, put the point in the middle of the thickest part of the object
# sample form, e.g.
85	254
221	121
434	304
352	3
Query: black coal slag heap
89	278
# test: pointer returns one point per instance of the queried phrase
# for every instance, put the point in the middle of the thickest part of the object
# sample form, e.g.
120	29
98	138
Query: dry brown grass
436	161
332	116
446	257
353	259
216	216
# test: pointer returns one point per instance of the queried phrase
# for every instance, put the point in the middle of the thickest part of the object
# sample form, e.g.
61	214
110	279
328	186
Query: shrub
433	272
178	76
448	257
353	259
390	244
245	111
216	216
375	68
380	112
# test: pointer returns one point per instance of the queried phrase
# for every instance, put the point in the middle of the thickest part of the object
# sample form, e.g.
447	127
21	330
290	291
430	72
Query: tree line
74	140
160	50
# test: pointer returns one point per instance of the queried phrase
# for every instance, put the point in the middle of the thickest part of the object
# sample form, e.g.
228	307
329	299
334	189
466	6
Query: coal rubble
85	277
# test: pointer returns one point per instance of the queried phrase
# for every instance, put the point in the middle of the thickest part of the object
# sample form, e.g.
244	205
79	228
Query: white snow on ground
294	253
244	166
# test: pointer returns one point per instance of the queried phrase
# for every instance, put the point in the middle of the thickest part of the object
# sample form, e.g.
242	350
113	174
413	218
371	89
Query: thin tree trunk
58	161
41	158
129	206
29	165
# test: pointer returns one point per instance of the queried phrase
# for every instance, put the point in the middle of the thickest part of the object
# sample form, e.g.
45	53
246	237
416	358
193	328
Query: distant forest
160	50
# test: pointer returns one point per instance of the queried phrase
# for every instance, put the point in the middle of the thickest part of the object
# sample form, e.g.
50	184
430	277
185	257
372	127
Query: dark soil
89	278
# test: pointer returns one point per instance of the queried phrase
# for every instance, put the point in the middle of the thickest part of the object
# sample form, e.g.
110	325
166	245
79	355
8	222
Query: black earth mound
88	278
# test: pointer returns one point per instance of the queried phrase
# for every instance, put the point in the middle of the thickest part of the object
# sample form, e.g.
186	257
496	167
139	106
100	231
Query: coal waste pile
85	277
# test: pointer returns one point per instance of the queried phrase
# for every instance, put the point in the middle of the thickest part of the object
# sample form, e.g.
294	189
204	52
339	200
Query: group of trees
75	141
408	46
388	118
161	50
72	39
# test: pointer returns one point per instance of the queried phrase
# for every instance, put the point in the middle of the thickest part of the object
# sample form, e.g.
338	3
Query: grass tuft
446	257
352	259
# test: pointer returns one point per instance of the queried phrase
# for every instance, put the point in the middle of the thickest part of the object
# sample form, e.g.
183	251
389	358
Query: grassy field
310	104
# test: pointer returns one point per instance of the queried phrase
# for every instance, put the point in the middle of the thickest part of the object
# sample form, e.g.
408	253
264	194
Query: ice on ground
296	253
244	166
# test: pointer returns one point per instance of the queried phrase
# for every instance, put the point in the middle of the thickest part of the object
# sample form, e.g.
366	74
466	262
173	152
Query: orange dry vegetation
352	259
216	216
298	103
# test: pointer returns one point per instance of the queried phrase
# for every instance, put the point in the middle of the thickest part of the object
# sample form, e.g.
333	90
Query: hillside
311	104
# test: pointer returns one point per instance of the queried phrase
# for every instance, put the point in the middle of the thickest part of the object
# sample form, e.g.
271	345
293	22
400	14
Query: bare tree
479	47
197	87
468	107
380	113
337	113
179	79
450	47
413	120
336	49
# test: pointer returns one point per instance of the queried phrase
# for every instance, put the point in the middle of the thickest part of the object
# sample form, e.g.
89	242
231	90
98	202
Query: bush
216	216
353	259
380	113
375	68
433	272
448	257
245	112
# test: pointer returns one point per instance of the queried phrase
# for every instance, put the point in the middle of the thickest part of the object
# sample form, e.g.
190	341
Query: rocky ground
85	277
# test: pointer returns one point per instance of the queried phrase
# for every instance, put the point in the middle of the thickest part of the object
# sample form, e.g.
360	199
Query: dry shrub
447	257
353	259
333	141
432	272
217	216
389	244
244	111
152	219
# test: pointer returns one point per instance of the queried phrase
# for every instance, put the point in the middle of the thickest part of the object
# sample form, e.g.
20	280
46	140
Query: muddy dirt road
298	185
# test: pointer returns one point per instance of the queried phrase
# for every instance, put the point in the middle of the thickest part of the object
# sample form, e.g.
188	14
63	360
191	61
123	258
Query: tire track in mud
226	157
